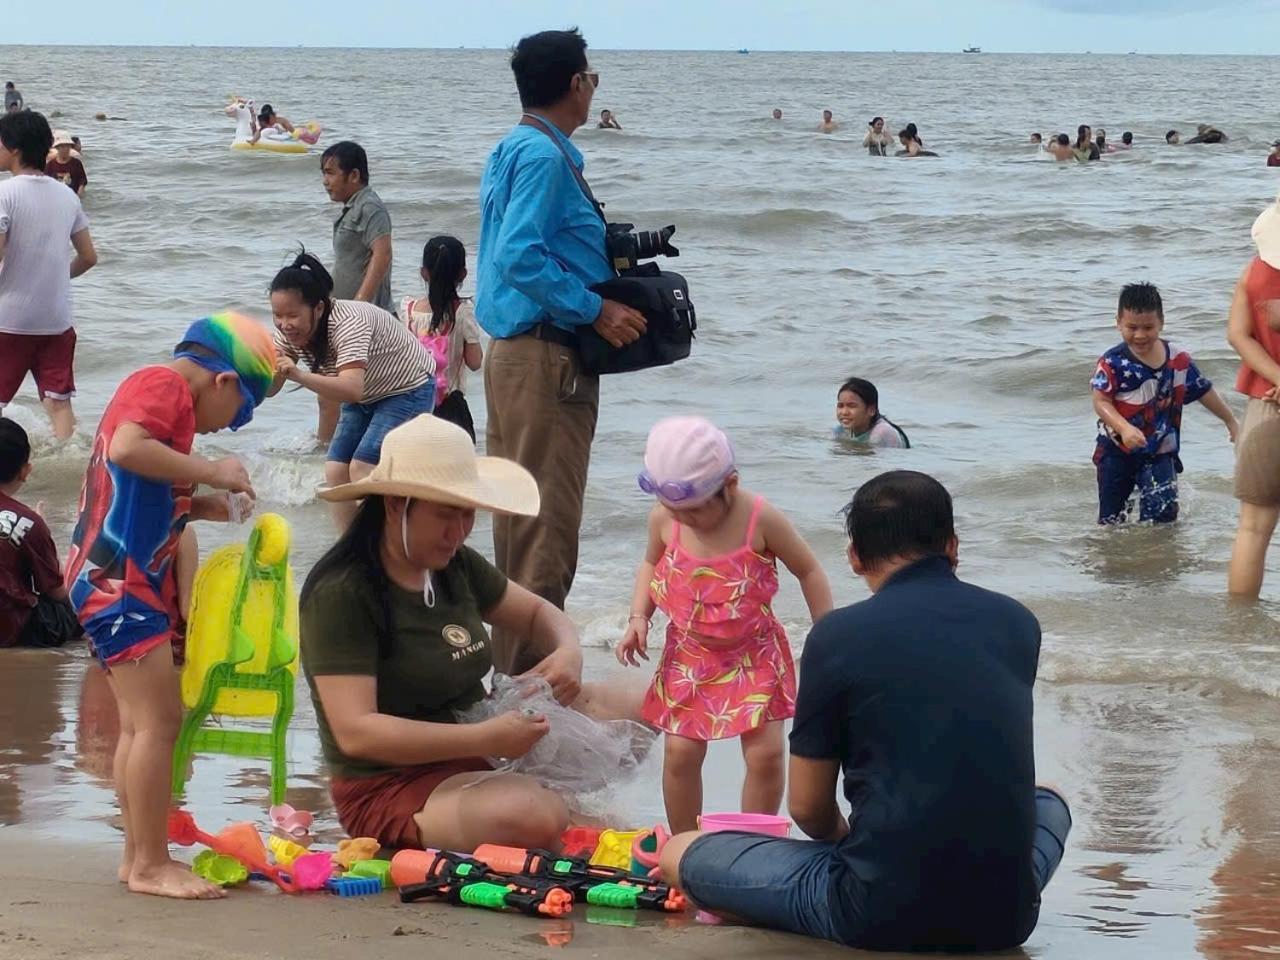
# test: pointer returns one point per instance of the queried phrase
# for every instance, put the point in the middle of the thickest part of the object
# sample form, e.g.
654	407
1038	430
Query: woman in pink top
726	669
1253	329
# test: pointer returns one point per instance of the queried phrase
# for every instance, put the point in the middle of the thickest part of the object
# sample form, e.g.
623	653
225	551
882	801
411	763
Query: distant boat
972	50
744	50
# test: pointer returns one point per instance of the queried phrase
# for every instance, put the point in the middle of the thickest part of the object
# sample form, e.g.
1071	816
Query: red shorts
383	806
47	357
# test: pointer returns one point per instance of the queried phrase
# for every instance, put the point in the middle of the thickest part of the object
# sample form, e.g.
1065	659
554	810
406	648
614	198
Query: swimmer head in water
1172	138
1037	139
777	114
1126	138
857	405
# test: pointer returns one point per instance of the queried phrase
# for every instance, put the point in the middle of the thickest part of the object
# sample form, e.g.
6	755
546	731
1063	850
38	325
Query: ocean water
976	290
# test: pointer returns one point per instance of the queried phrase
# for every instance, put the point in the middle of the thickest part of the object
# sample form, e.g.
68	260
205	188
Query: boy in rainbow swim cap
132	559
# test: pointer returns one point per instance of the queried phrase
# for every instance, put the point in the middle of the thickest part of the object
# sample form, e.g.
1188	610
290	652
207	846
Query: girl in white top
859	417
445	324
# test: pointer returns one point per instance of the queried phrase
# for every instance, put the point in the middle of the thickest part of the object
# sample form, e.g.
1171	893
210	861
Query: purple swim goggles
680	491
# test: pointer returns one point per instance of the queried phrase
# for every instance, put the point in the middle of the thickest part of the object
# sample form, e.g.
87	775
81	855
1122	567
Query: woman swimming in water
877	140
912	145
859	418
1085	149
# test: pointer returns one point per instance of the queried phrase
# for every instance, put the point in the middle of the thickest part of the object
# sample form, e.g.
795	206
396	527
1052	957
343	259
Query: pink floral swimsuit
713	692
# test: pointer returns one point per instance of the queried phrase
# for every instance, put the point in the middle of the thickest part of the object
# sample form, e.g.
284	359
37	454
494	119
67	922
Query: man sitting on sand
828	124
921	697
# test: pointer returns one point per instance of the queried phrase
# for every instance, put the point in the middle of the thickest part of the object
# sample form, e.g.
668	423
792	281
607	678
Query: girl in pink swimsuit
726	669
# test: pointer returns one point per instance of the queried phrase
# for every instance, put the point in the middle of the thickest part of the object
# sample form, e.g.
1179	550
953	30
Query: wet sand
1175	850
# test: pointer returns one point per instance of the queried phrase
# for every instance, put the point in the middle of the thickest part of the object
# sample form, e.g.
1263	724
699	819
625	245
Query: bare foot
125	870
172	879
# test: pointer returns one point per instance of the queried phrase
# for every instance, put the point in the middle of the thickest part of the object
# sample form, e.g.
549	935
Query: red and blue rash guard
1150	398
120	571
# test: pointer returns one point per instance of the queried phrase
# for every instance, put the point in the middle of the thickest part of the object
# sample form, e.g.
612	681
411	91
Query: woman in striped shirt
359	355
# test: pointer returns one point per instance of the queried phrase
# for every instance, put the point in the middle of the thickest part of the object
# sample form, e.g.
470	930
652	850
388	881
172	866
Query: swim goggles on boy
680	491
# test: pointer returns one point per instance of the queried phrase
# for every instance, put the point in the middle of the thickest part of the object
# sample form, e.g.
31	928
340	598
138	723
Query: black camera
627	246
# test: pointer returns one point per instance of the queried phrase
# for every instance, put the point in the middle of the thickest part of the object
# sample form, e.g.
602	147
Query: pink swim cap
686	461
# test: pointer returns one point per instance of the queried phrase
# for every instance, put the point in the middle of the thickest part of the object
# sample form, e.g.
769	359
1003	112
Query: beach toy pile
538	883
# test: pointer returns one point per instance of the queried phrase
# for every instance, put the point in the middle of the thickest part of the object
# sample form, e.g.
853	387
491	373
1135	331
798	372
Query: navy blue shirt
923	693
541	241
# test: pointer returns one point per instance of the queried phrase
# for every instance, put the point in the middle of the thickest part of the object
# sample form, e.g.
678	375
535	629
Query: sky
1031	26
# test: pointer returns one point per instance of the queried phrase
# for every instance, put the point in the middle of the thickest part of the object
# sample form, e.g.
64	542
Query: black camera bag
662	297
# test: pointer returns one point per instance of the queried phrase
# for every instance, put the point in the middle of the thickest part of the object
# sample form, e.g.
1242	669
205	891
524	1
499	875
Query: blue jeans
785	884
362	426
1155	477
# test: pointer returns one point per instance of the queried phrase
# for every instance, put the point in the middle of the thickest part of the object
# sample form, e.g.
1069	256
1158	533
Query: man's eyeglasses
593	76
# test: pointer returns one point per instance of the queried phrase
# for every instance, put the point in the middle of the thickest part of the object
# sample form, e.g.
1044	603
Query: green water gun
461	880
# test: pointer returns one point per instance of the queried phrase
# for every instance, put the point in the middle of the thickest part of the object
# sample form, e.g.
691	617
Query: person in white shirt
39	219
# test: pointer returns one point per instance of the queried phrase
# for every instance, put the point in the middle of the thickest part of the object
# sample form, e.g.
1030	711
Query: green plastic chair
242	655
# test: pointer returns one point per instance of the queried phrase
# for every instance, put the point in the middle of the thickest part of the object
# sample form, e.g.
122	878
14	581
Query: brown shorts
383	806
1257	477
47	357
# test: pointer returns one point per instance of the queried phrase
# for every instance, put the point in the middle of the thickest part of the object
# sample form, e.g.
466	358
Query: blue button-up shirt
541	242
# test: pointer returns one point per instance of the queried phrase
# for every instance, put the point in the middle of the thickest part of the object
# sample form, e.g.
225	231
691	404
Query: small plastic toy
646	849
614	848
379	870
351	851
219	868
354	886
580	841
240	840
581	877
290	822
285	851
312	871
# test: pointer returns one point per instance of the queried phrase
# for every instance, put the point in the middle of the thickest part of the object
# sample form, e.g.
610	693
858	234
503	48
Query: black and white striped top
362	335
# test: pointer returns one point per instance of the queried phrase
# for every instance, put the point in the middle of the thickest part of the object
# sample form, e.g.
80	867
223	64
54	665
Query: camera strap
531	120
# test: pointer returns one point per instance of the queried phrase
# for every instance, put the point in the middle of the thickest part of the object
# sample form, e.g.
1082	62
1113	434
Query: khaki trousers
541	414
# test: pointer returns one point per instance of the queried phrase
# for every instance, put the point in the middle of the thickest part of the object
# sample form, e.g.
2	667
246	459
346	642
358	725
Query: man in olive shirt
361	244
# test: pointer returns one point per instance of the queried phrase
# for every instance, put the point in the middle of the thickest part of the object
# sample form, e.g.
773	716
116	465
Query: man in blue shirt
541	249
921	697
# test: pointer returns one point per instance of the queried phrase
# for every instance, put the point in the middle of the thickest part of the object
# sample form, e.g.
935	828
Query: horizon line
725	50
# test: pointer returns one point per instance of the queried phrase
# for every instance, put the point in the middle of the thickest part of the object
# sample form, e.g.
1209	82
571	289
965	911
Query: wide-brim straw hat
431	459
1266	234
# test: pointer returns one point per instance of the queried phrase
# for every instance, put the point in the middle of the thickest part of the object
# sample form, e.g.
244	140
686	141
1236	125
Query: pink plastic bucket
749	822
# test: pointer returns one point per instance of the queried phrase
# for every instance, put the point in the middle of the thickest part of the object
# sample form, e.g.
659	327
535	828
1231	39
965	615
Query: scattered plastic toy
379	870
312	871
466	881
354	886
290	822
285	851
603	886
240	840
354	850
219	868
614	848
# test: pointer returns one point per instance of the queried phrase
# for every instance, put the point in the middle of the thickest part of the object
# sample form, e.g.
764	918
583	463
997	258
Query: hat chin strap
428	587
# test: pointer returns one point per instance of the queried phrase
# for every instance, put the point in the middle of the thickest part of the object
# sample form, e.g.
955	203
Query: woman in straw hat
1253	329
394	641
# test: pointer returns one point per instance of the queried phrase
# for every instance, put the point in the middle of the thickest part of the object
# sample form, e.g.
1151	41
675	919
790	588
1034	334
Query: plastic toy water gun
463	880
590	883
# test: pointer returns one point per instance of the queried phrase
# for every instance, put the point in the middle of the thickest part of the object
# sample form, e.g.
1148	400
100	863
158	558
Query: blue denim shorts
362	426
785	884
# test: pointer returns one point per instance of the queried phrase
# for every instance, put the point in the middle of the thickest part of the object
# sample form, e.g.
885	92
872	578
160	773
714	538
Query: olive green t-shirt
432	661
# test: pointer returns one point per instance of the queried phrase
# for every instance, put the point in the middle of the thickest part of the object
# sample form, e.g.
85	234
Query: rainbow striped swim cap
233	343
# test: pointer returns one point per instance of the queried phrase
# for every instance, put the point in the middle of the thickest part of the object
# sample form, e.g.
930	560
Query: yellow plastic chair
242	653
